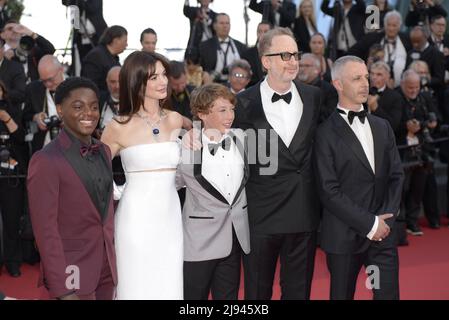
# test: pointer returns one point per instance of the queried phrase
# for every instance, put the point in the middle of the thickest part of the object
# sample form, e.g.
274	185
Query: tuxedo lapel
262	126
242	147
350	139
377	141
197	173
72	155
306	118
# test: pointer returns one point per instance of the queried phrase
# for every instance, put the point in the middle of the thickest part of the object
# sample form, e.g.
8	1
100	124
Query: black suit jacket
436	62
414	17
356	16
287	12
13	76
196	28
390	108
35	102
361	48
302	34
350	192
286	201
252	56
97	64
329	98
209	49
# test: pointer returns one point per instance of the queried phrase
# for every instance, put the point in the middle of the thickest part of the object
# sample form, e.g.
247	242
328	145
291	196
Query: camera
373	91
53	124
4	150
26	44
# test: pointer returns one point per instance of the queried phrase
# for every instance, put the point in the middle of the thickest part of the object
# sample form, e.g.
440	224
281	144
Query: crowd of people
94	164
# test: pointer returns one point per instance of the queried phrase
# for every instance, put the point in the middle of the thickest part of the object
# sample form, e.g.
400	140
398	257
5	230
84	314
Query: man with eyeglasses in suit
283	209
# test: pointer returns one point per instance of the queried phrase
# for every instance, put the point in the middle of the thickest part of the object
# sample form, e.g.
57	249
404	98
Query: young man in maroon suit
70	196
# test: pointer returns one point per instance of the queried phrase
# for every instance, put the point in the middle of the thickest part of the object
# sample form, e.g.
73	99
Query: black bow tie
351	115
286	97
93	148
225	144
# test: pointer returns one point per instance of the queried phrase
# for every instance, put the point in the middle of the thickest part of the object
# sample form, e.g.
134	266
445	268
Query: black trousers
296	252
345	268
430	198
414	184
221	277
11	206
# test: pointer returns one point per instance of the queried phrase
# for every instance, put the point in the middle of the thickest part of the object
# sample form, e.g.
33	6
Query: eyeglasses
286	56
240	75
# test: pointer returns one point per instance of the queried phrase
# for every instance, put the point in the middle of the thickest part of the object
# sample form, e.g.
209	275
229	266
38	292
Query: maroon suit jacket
67	225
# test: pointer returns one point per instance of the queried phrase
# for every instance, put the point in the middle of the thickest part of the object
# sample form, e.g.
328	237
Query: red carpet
424	266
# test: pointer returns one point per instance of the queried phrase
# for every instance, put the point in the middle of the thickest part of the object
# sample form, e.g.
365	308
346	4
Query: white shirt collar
266	87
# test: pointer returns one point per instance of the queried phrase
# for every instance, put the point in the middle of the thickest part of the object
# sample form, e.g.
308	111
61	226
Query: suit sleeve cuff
371	234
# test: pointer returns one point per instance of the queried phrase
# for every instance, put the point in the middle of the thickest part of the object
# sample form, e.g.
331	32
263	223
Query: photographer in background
279	13
92	26
40	110
217	53
26	47
12	146
11	73
201	19
421	11
418	123
383	101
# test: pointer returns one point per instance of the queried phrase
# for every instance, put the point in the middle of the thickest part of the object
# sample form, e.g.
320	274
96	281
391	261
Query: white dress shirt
396	53
229	49
363	133
283	117
224	170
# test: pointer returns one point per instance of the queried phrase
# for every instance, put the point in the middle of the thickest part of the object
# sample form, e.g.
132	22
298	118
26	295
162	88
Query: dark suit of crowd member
383	101
221	48
416	126
423	50
39	101
103	57
109	107
310	73
91	11
359	176
355	19
252	54
11	187
12	75
201	19
421	13
302	34
282	205
283	16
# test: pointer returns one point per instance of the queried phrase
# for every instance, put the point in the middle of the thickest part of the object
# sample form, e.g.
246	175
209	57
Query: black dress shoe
434	225
13	270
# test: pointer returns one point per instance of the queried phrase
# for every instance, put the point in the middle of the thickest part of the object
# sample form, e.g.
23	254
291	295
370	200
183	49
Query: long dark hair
139	66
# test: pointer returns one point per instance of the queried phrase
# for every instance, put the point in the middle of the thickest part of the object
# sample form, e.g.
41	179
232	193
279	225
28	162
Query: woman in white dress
148	225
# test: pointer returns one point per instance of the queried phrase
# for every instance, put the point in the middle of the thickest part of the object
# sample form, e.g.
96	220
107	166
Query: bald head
112	80
51	72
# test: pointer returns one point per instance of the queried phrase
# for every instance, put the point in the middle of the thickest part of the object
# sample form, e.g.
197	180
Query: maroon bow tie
93	148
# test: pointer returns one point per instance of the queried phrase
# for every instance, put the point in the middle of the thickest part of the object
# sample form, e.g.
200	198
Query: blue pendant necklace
154	126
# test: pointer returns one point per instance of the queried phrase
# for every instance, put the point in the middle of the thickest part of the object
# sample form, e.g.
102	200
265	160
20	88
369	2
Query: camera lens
26	43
